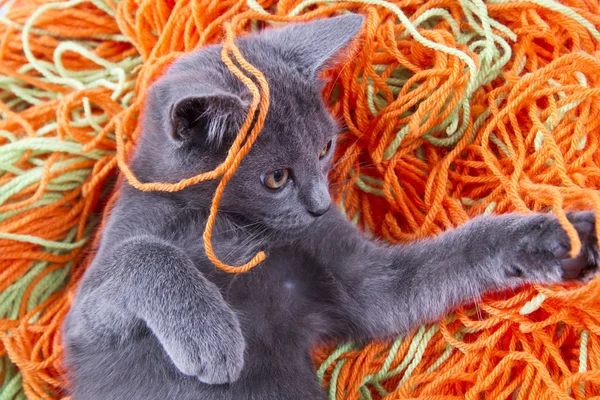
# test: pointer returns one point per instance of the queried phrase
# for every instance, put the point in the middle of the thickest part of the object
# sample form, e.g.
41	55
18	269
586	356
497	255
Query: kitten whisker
237	227
360	164
346	64
360	153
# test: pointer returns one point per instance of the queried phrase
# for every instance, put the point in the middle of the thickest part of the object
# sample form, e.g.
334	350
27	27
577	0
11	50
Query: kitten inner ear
206	119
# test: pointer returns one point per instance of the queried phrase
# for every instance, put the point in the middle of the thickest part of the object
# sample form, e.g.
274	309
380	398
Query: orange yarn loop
240	147
262	114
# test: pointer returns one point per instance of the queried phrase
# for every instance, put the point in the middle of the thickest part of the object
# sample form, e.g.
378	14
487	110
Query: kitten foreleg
147	279
382	290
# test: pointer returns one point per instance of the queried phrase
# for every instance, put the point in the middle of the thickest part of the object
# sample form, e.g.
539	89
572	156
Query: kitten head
195	111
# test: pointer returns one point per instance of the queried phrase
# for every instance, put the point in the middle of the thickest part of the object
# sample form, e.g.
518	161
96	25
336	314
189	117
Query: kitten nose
320	211
318	201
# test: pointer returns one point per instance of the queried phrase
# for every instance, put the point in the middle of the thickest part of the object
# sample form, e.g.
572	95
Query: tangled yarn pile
453	109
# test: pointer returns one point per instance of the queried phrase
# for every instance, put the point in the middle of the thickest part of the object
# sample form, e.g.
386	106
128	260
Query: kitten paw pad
212	351
225	363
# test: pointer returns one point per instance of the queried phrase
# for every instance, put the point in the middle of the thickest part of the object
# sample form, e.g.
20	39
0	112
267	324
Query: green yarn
411	360
42	242
583	357
383	373
564	10
370	185
334	378
11	387
583	350
420	350
341	349
533	304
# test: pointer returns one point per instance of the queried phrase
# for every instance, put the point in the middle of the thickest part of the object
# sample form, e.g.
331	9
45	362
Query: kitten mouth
278	225
265	223
295	227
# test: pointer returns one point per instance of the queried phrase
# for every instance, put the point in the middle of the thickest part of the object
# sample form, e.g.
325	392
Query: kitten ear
205	118
313	44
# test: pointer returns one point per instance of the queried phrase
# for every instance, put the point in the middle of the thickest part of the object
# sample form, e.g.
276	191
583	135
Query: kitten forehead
297	120
296	110
299	49
308	46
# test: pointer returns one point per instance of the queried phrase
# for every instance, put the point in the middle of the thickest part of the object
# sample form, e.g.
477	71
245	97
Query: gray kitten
154	319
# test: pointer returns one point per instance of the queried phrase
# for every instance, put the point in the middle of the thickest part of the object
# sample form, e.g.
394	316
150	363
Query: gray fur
154	319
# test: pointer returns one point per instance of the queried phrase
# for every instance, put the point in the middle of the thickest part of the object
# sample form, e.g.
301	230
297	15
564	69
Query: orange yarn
529	142
234	155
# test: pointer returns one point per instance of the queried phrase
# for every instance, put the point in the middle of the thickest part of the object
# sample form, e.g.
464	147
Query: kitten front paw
541	254
212	350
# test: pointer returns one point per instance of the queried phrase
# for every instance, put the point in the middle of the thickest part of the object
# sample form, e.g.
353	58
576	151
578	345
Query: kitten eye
276	179
325	149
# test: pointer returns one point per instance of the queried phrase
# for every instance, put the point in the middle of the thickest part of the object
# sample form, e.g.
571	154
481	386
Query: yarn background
453	109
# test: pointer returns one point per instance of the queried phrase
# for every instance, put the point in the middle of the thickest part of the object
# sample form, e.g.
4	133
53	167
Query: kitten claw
573	267
562	253
543	249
